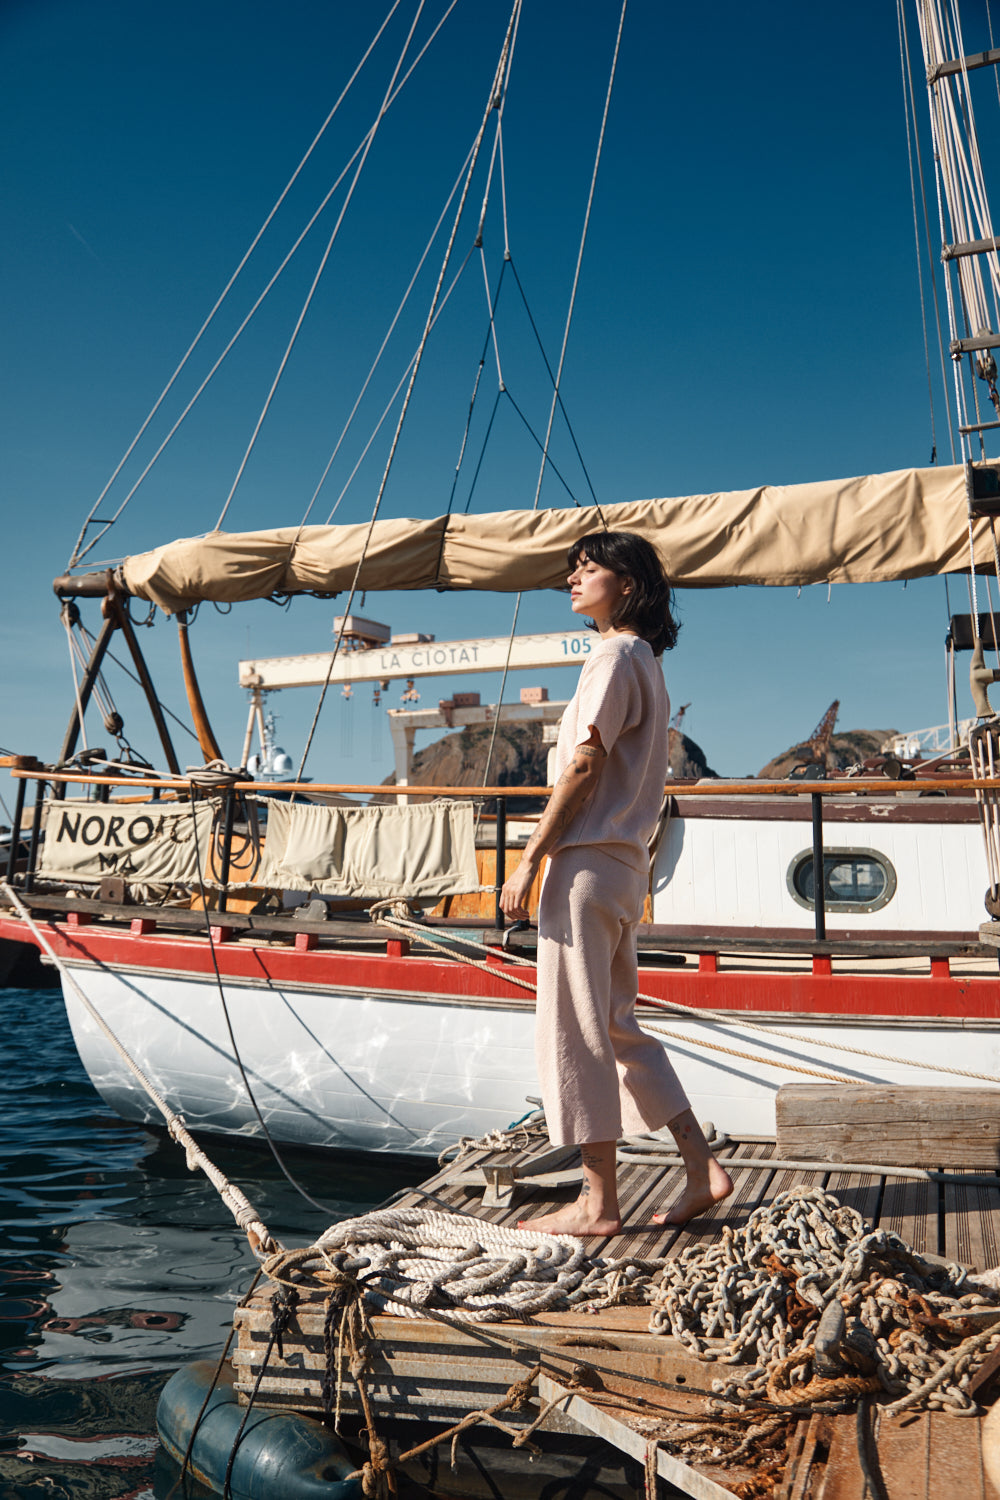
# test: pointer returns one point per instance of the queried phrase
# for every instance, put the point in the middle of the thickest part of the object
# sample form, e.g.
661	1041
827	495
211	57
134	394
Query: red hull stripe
802	994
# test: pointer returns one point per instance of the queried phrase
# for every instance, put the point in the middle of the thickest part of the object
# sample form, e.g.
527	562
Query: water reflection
117	1264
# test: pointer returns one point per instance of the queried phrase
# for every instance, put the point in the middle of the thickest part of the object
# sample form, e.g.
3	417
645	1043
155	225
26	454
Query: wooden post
206	739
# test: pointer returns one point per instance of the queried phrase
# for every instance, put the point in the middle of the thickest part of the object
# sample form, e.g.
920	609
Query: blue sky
747	313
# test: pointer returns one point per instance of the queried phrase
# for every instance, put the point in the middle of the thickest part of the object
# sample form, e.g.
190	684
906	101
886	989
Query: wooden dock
612	1390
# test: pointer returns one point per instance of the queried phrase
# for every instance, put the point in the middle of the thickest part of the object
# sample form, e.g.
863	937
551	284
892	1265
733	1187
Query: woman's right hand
514	896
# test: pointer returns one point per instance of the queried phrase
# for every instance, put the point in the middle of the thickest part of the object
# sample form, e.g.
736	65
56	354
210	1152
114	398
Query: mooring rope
259	1236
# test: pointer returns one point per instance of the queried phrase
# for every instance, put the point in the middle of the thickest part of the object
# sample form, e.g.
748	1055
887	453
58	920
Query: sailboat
210	931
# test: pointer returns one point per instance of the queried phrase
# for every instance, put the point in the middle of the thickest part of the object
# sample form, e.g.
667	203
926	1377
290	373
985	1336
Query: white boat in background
171	914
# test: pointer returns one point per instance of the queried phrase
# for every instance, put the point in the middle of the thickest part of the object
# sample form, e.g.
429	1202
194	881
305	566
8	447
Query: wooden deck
630	1390
959	1222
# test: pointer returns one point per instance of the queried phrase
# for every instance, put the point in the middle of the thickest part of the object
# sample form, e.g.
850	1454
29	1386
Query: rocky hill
844	750
519	759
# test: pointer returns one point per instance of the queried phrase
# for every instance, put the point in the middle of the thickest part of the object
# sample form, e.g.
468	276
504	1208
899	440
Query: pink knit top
622	694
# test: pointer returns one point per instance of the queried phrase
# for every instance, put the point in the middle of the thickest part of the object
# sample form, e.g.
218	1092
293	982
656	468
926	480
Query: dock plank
904	1445
910	1209
751	1187
843	1477
971	1223
613	1426
809	1440
860	1191
900	1125
955	1457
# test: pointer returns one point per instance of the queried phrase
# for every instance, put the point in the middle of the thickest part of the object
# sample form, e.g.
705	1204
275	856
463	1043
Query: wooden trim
879	785
908	807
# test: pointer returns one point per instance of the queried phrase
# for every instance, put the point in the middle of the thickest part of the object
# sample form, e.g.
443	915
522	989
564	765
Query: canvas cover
907	524
377	852
147	843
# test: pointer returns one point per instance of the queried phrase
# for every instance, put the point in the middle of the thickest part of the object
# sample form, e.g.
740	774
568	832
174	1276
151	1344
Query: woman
601	1076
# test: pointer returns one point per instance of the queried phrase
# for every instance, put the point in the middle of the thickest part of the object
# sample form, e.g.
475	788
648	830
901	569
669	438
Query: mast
970	249
970	256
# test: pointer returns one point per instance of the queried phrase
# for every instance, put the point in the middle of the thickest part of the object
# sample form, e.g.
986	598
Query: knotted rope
416	1259
215	775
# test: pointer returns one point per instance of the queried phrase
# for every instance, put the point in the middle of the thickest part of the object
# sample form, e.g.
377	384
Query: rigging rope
399	386
579	259
261	1241
269	286
499	86
961	186
80	551
377	360
218	775
73	663
369	142
556	401
913	143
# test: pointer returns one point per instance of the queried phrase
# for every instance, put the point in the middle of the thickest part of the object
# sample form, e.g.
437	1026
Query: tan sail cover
907	524
373	852
147	843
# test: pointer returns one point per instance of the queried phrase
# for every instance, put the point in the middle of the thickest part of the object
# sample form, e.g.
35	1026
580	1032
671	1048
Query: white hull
413	1074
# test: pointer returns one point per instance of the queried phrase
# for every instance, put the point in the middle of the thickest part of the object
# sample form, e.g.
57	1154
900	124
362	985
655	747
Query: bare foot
573	1219
699	1194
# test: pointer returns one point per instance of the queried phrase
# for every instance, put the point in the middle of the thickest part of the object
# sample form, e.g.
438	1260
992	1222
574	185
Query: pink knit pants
601	1077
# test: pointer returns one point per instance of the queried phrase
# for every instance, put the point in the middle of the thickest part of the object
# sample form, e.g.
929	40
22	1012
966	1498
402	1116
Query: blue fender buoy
281	1454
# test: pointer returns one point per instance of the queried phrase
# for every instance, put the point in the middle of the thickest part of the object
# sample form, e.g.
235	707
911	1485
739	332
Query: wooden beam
609	1426
892	1124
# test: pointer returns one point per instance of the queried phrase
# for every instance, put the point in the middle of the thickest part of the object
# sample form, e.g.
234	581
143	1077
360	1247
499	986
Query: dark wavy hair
648	606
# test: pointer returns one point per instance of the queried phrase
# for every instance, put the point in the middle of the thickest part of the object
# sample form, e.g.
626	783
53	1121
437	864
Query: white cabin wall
734	872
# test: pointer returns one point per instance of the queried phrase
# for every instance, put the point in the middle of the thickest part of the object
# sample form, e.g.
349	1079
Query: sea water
117	1265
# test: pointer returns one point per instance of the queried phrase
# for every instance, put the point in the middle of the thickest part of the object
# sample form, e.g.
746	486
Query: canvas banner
146	842
374	852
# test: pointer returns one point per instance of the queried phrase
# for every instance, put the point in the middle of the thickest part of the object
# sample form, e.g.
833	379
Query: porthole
853	880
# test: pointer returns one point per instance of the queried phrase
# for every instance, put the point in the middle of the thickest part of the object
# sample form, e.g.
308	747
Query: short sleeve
609	697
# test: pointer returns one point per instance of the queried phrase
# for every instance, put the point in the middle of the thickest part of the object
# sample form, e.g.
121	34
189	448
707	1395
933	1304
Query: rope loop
215	775
397	908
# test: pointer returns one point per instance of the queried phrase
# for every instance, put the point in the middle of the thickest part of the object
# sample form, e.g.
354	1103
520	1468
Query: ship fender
281	1455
